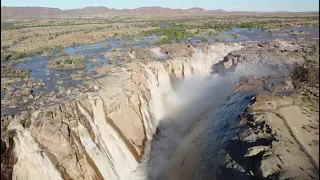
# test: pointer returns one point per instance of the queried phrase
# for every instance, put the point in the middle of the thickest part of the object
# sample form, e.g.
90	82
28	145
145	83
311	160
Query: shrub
5	56
315	49
68	61
28	73
18	54
164	40
204	39
5	47
213	33
306	73
171	33
10	26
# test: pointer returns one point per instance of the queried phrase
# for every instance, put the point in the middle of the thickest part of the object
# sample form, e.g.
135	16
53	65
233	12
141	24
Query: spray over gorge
140	97
170	119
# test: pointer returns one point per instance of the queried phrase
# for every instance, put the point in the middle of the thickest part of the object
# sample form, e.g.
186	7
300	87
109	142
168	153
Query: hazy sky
242	5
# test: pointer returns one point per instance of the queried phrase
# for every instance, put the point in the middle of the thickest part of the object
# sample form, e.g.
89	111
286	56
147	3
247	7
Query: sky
229	5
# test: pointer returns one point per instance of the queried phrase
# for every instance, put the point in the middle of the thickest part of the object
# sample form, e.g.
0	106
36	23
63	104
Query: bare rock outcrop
101	133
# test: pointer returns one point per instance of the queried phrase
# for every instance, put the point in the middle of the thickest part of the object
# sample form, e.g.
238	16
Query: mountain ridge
32	11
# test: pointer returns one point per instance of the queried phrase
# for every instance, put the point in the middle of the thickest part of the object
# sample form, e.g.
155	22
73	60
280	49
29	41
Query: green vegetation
5	56
67	63
11	26
180	29
13	54
173	29
17	54
315	49
164	40
219	38
28	73
204	39
169	34
7	53
213	33
222	26
5	47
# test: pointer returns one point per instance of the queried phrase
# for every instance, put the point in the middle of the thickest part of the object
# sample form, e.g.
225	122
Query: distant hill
24	12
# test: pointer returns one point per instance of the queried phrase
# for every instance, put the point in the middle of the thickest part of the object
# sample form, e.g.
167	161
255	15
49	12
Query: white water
179	108
32	162
150	125
176	109
196	95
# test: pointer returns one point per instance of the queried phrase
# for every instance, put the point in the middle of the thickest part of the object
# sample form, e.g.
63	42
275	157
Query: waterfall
158	101
32	162
149	123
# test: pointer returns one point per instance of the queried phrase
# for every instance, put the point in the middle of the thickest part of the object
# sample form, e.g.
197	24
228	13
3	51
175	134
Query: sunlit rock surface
108	132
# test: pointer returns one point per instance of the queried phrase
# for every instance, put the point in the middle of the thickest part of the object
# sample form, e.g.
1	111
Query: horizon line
310	11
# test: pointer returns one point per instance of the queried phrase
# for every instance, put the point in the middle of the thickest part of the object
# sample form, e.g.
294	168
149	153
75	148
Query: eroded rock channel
185	117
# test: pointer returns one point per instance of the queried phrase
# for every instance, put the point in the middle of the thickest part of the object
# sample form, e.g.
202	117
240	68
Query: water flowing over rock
108	133
32	161
103	134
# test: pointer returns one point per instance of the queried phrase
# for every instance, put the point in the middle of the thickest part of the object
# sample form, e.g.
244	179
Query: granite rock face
102	132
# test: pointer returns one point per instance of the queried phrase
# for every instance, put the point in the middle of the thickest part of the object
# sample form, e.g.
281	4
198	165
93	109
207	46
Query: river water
38	64
189	140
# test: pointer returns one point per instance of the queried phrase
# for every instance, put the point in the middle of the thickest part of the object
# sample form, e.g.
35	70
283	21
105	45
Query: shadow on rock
249	165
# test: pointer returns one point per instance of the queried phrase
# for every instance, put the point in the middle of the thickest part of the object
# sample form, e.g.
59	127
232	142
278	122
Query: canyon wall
102	134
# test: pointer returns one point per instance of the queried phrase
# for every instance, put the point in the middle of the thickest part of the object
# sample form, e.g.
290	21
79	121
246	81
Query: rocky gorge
185	115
